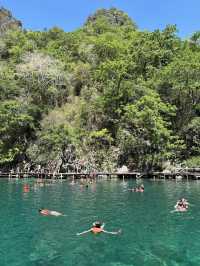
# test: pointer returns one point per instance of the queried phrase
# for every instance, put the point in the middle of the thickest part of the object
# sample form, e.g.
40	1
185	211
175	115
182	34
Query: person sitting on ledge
97	228
47	212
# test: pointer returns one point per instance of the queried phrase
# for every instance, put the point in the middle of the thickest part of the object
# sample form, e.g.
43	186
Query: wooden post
186	172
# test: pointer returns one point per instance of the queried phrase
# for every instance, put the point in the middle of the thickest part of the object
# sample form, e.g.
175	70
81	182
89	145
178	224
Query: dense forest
103	96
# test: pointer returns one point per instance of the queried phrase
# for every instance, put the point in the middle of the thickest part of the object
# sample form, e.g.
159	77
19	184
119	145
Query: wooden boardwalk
181	174
175	175
68	175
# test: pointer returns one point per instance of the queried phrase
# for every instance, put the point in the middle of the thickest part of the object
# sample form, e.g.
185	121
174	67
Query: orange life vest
96	230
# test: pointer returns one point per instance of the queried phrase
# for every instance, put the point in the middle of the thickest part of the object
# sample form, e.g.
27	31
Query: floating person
97	228
181	205
138	189
26	188
47	212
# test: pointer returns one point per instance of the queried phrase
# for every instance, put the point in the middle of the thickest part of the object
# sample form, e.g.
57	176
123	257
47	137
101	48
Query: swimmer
141	188
181	205
138	189
47	212
97	228
26	188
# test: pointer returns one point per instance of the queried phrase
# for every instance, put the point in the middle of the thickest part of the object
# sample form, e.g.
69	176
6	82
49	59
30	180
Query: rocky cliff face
7	21
112	16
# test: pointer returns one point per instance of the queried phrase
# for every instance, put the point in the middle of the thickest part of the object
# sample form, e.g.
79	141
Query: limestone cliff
7	21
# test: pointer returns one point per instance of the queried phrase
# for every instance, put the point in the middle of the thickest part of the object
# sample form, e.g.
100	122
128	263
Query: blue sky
71	14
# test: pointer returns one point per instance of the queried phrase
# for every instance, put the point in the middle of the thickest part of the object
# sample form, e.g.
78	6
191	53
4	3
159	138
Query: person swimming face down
44	211
49	212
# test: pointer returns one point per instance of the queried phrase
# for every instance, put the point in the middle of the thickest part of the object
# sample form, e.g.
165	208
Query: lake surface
151	234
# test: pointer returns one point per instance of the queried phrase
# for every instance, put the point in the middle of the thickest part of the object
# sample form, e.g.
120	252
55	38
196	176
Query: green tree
17	126
44	79
191	134
8	85
150	51
179	85
145	137
107	20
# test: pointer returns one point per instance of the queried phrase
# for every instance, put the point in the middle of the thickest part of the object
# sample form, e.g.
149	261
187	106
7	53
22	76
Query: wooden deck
68	175
178	175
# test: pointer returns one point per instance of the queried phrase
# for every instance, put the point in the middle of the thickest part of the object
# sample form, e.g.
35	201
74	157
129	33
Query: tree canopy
102	96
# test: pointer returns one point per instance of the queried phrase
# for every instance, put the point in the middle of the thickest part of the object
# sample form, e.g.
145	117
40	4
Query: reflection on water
151	234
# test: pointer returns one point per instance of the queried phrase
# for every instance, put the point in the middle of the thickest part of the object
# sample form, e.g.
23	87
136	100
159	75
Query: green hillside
103	96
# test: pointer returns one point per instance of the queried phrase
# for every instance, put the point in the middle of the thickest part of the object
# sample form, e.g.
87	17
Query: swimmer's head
97	224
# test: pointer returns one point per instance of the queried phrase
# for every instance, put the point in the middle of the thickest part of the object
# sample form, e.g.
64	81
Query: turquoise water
151	234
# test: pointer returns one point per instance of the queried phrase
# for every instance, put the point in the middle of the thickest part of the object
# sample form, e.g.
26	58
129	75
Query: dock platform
192	173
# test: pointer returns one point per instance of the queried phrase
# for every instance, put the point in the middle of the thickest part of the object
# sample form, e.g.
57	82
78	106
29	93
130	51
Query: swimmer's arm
112	233
84	232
